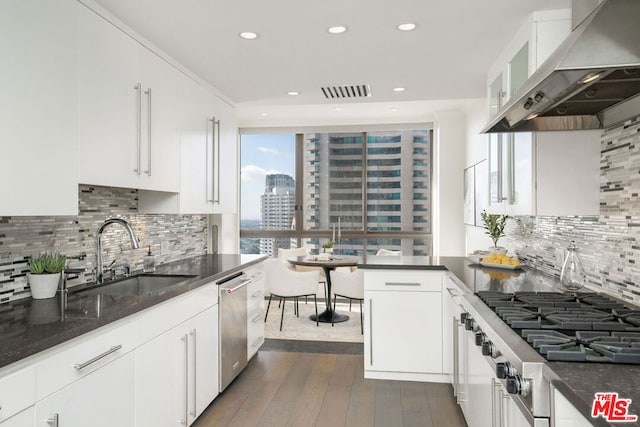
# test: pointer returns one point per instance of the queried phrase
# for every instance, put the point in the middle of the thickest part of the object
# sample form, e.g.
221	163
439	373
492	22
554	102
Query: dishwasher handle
229	287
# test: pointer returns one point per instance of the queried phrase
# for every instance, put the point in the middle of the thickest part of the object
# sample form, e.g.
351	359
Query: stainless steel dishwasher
233	327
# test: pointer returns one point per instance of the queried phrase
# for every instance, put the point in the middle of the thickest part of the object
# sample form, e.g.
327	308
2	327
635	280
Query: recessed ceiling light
395	109
248	35
264	114
406	26
398	89
293	93
338	108
338	29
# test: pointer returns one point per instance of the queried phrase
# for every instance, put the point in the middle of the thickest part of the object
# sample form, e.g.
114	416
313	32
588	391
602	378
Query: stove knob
463	318
471	325
480	338
488	349
518	385
503	369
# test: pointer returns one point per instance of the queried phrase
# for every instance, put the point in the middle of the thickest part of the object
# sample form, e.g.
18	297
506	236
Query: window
372	187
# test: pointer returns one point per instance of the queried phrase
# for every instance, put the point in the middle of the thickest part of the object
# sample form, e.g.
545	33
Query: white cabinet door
104	398
110	97
22	419
127	122
226	173
38	106
161	380
478	409
196	149
160	148
401	330
203	341
177	373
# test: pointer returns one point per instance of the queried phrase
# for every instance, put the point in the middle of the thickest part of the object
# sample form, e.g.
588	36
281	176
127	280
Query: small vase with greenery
44	274
494	225
328	247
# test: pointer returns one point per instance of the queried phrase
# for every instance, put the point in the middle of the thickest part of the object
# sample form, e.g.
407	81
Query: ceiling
445	58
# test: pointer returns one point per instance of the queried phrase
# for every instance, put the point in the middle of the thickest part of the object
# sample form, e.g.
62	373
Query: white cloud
268	150
254	173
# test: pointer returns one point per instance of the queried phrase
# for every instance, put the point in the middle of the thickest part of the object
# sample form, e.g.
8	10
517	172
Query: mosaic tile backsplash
171	237
609	244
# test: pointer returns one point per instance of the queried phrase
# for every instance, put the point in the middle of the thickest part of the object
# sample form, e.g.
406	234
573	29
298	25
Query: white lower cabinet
176	375
564	414
103	398
403	325
255	310
22	419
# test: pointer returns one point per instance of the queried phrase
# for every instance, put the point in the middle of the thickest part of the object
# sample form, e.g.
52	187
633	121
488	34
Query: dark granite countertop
29	326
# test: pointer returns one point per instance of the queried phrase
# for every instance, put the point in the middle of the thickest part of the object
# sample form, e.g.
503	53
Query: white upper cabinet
128	132
39	108
544	173
208	157
531	46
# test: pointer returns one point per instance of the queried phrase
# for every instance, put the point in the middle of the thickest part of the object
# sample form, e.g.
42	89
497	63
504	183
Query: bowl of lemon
500	261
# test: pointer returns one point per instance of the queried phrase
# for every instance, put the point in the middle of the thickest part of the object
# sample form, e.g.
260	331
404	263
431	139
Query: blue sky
261	155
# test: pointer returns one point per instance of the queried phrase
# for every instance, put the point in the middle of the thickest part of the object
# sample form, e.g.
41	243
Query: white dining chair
284	254
348	285
388	252
284	283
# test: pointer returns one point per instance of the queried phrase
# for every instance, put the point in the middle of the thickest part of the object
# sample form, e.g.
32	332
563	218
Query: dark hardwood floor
287	388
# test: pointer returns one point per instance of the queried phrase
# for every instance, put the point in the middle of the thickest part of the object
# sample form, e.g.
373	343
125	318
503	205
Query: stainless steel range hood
591	81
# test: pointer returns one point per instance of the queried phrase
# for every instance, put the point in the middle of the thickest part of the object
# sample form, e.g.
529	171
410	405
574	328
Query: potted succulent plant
328	247
494	225
44	274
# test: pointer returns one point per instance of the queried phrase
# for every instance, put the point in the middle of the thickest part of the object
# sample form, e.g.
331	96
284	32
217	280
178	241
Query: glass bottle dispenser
572	275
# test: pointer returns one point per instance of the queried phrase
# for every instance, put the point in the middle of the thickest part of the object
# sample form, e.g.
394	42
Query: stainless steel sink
143	284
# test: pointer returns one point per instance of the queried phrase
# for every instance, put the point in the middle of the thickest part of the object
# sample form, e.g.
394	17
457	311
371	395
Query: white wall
476	151
448	166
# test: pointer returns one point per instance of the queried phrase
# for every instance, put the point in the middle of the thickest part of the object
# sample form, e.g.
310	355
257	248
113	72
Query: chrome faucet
132	236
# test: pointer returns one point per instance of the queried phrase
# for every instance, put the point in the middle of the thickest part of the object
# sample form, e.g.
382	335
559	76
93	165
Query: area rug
303	328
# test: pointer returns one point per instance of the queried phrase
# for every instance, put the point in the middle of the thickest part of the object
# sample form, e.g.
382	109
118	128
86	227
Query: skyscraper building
278	210
396	186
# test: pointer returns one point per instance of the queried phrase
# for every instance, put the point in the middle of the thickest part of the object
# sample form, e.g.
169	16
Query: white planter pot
497	249
43	285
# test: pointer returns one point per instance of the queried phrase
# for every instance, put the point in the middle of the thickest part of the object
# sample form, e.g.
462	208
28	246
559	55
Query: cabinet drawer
80	357
17	392
165	316
403	280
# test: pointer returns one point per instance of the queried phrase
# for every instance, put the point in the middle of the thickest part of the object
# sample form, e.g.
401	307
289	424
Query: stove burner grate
584	327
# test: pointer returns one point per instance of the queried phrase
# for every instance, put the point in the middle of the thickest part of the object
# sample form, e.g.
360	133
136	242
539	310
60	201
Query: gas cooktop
584	327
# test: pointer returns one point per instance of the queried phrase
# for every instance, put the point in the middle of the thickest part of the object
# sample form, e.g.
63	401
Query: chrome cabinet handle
148	93
400	284
456	382
256	294
185	340
232	290
256	342
256	318
371	331
83	365
54	420
193	333
138	89
452	293
209	195
217	194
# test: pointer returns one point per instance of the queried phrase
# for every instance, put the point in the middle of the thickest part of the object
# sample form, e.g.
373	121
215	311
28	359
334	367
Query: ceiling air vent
346	91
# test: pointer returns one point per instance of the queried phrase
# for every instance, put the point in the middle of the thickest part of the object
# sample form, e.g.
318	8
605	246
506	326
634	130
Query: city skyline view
261	155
